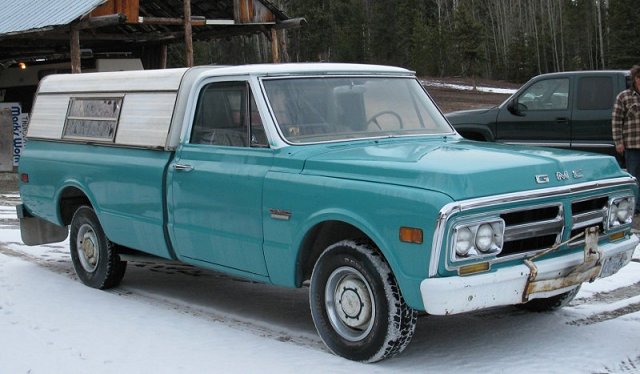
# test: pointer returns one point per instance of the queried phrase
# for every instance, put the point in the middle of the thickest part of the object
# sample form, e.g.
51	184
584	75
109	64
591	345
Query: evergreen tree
624	34
467	40
419	52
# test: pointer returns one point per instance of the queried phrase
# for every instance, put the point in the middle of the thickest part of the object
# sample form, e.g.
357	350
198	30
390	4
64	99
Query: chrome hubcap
87	248
348	302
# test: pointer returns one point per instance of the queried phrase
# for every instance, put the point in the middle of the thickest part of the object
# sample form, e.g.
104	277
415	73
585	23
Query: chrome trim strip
537	228
582	220
564	145
534	144
457	206
280	214
593	145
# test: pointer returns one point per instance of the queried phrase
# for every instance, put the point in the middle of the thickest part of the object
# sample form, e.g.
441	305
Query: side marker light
411	235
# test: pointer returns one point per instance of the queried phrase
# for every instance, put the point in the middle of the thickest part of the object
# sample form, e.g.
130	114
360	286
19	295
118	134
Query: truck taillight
24	177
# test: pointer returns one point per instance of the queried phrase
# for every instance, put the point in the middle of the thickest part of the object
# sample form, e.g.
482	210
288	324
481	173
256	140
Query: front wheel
356	304
93	255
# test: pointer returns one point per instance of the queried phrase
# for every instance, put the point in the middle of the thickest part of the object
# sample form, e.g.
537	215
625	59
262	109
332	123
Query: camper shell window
94	118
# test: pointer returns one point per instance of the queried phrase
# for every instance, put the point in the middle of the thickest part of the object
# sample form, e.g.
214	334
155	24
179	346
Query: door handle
182	167
562	120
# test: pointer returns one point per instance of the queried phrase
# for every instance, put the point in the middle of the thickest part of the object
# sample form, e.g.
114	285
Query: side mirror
515	108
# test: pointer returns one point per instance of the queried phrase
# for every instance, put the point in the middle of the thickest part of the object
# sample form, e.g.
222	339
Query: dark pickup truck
561	110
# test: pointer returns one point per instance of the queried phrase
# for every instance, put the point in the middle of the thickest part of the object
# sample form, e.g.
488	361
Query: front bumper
517	284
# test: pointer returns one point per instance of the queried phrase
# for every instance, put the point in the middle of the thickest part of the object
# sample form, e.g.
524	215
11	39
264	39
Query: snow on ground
168	318
436	83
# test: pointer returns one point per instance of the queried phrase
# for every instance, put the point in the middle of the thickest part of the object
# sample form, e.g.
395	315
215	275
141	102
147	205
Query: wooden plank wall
251	11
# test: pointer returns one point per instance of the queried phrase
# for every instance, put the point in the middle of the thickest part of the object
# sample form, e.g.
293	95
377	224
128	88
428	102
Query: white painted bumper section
452	295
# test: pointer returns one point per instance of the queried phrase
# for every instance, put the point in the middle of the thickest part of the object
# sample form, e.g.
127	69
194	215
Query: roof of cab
170	79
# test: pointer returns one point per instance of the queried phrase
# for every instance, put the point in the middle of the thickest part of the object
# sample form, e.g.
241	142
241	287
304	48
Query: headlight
621	211
478	239
624	210
485	237
464	240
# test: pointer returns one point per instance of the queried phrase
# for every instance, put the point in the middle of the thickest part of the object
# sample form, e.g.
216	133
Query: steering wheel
374	118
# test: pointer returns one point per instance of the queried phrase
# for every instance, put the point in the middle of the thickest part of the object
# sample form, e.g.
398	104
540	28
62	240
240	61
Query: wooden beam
275	48
163	56
188	38
101	21
291	23
129	8
97	36
74	51
195	21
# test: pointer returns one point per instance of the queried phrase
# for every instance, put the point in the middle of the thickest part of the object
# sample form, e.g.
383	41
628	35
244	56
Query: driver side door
216	181
543	116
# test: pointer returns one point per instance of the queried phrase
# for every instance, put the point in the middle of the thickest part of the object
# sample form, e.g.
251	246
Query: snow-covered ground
437	83
175	318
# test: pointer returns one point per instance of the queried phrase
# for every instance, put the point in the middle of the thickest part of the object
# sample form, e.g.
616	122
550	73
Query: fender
74	183
285	274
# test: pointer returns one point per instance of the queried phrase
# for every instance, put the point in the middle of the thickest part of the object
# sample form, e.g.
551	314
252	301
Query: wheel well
318	239
70	200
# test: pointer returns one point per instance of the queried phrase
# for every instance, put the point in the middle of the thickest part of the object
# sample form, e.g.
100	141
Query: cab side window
226	115
548	94
595	93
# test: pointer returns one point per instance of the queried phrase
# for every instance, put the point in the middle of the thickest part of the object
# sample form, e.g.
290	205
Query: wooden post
163	56
275	48
188	40
74	50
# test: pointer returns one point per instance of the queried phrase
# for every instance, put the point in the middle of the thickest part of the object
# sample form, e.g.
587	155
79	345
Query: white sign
19	121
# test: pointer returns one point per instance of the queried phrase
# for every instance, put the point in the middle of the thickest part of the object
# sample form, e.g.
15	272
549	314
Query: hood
459	168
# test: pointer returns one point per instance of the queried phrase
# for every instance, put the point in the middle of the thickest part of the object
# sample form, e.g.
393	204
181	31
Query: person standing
625	126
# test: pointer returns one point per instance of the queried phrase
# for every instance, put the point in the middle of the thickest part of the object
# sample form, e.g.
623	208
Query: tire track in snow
606	316
610	296
65	267
631	365
228	320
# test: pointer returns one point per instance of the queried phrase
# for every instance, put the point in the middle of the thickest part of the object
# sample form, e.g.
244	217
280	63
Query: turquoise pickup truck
342	178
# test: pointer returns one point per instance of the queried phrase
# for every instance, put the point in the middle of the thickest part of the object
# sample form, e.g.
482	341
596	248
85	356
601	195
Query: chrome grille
588	213
541	227
532	229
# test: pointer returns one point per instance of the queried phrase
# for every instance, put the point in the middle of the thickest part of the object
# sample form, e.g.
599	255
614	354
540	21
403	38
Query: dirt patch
449	99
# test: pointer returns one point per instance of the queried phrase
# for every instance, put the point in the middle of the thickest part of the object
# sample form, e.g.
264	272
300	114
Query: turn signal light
475	268
616	236
411	235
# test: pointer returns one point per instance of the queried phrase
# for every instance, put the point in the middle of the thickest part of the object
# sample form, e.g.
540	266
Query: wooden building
45	29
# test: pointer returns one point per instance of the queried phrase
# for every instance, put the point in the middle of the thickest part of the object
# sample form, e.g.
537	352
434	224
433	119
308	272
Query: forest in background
496	39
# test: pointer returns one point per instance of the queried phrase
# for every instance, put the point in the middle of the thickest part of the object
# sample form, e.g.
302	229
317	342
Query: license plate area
613	264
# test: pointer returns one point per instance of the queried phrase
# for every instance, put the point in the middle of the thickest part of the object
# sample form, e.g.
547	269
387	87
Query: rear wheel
356	304
550	303
94	258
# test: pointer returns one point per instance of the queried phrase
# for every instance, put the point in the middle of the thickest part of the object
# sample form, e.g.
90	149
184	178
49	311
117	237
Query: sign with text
6	143
17	132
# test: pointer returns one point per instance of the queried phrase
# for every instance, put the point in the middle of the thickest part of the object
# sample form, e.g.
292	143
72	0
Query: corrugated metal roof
24	15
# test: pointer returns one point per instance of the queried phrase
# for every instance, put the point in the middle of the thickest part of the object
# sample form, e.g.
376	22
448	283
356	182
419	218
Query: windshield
329	109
